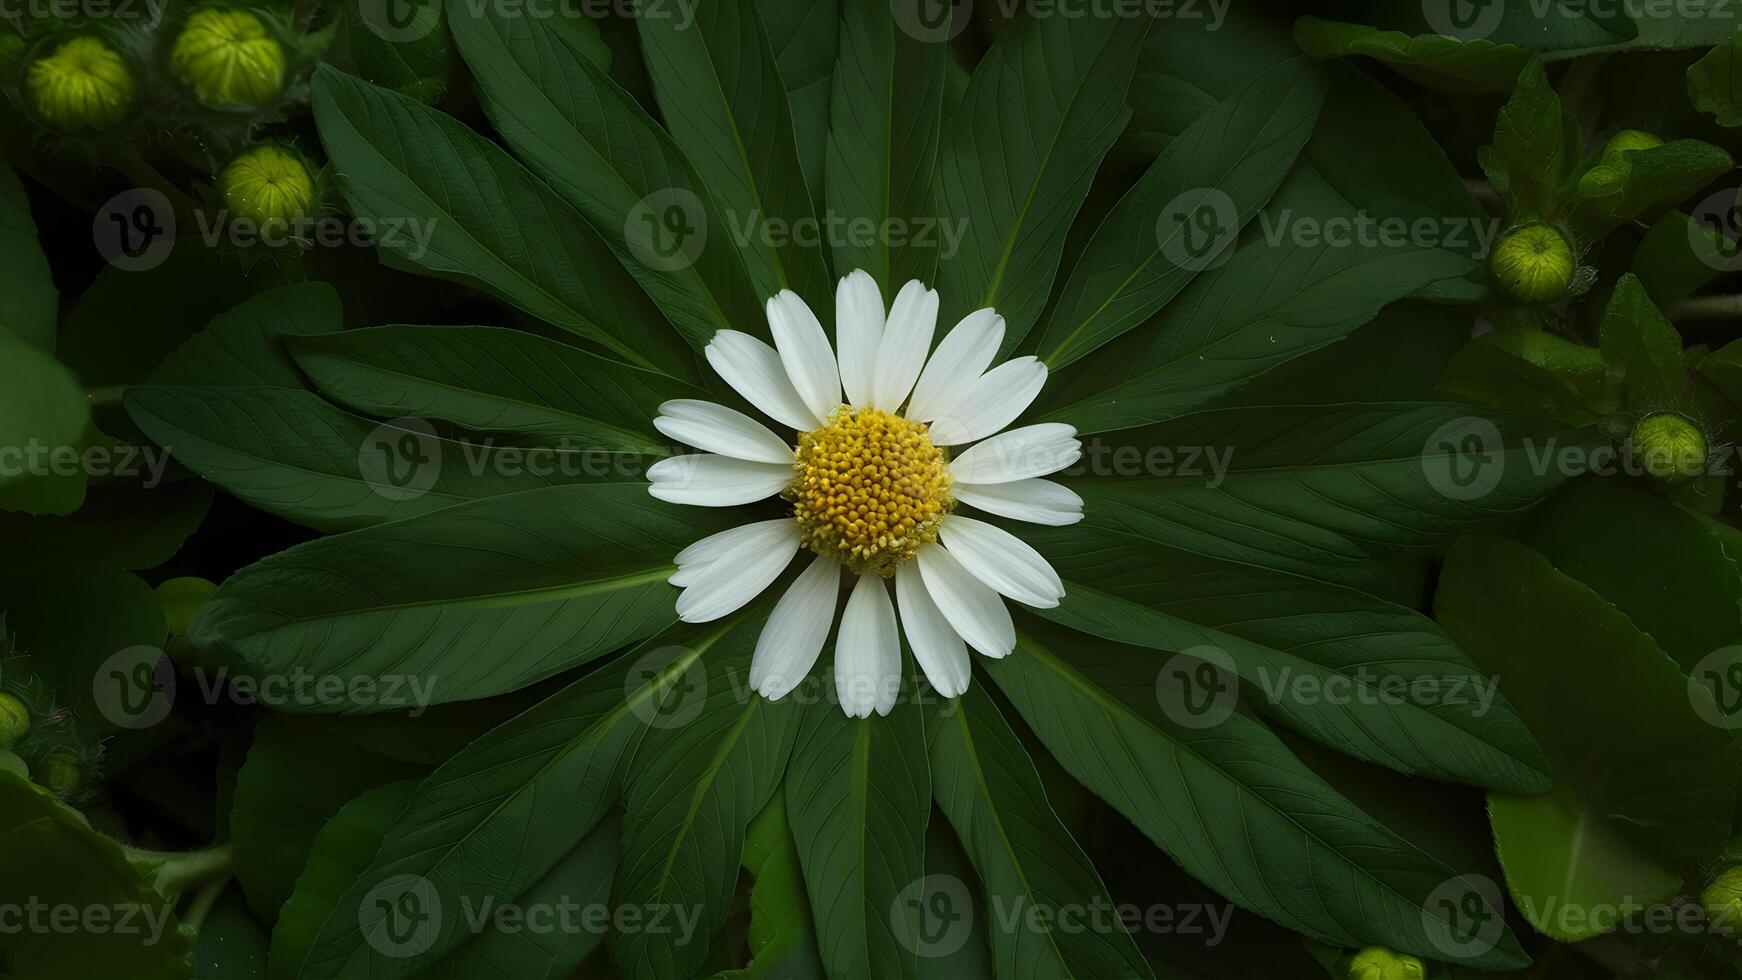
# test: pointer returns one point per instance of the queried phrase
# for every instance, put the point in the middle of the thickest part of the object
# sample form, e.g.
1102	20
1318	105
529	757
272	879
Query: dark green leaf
28	299
1528	161
44	418
1640	344
1714	86
1436	60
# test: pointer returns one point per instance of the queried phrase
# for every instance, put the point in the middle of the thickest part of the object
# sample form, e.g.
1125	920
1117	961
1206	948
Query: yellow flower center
871	489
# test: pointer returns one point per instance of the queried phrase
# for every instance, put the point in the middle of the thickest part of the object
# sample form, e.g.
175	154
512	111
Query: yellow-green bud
1627	141
267	184
1379	963
1723	902
228	58
59	772
1533	263
181	599
1603	180
1670	447
14	720
82	86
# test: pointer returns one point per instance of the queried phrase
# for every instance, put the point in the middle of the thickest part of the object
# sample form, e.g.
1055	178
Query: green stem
203	900
106	395
178	871
1726	307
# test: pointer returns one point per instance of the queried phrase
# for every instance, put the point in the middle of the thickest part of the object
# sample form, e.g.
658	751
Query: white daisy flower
874	481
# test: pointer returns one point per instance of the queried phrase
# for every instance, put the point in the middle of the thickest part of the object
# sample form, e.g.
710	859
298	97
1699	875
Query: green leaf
1041	110
887	118
121	524
1639	343
1435	60
54	857
44	418
1363	676
1628	740
721	96
858	797
1675	258
479	830
1311	488
1529	161
1237	810
488	379
1293	284
463	603
783	941
1713	84
600	151
1188	206
1561	855
340	852
453	204
28	299
1527	370
71	623
1035	877
232	946
413	60
1557	28
231	406
1667	569
1661	175
804	36
286	791
689	793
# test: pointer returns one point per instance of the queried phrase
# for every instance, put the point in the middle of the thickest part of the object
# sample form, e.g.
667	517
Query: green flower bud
1627	141
1603	180
1379	963
1533	263
14	720
1670	446
1723	901
267	183
82	86
181	599
228	58
59	772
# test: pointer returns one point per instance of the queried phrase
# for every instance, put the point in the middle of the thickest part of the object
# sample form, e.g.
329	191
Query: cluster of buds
39	739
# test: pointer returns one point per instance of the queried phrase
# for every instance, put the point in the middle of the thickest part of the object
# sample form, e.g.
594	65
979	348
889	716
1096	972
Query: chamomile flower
889	446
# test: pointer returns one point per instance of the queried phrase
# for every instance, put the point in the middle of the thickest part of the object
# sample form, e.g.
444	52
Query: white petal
858	332
961	357
805	353
936	644
707	480
753	369
1035	501
722	430
1033	450
972	608
794	634
740	574
695	559
906	342
1002	560
991	402
868	651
